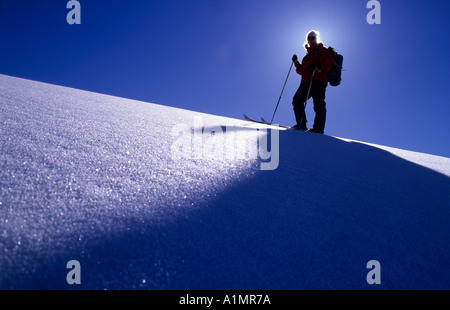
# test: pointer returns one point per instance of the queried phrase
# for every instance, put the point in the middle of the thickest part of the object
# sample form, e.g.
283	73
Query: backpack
334	76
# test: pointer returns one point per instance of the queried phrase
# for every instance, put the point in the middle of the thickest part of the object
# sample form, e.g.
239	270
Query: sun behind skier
314	69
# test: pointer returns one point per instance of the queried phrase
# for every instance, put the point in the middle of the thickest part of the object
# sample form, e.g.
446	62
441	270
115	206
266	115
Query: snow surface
92	177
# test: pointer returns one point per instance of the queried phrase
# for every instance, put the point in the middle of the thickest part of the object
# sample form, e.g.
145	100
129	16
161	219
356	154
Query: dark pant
318	94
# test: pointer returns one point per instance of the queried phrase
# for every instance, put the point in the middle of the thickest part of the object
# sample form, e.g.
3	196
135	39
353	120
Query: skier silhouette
314	69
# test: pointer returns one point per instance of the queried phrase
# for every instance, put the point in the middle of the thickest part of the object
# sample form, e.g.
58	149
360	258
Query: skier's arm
309	63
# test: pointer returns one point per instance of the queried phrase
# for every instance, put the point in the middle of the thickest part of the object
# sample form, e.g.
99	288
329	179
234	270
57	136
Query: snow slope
92	177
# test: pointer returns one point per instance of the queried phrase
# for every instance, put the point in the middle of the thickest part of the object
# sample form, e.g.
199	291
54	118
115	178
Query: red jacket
316	55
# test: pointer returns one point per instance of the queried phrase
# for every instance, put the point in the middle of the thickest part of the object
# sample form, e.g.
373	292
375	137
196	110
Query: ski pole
307	96
279	99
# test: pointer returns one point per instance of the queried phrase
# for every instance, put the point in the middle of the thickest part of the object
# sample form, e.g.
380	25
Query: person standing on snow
318	60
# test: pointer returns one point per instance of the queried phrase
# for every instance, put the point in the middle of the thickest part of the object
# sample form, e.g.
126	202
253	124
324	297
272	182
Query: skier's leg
318	91
299	105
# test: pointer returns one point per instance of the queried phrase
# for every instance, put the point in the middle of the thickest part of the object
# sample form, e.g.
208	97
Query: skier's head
312	38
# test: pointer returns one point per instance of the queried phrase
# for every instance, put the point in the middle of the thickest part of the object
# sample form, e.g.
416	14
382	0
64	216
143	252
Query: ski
254	121
278	125
264	122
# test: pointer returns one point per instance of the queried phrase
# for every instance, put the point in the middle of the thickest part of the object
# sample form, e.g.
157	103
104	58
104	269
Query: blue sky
230	57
